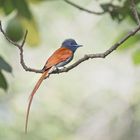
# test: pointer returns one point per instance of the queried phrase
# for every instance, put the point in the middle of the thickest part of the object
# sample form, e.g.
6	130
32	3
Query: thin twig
20	47
83	9
135	13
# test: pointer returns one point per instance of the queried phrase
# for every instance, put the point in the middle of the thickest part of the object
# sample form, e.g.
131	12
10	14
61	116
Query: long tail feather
45	74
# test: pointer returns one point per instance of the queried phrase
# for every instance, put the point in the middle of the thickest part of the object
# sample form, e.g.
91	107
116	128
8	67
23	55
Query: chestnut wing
59	56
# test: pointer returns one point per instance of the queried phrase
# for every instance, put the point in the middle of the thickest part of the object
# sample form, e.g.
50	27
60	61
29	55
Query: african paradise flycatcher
59	58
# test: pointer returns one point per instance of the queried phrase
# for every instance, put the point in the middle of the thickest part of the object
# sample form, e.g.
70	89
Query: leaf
36	1
14	29
116	12
120	11
3	82
33	37
23	8
105	6
136	57
8	6
1	3
4	65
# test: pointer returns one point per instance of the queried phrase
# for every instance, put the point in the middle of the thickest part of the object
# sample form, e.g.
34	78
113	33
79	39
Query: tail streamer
43	76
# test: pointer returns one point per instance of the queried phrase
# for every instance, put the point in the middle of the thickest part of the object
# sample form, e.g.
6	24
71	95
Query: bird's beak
78	45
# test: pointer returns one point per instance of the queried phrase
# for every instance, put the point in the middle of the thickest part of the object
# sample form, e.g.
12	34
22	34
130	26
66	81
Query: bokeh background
97	100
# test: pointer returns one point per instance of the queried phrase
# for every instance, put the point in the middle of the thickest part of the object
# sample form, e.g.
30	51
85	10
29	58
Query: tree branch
100	55
20	47
86	57
83	9
135	13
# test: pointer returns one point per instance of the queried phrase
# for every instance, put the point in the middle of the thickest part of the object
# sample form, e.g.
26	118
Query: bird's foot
54	68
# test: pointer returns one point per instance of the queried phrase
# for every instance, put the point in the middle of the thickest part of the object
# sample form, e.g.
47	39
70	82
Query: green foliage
131	43
20	6
7	6
22	21
33	38
3	82
119	11
36	1
114	11
6	67
136	57
14	30
23	8
128	43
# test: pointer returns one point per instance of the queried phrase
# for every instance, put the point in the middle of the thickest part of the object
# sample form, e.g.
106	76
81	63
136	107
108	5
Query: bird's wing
60	55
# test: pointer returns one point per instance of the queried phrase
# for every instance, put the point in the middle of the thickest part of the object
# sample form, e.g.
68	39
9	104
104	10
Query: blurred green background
98	100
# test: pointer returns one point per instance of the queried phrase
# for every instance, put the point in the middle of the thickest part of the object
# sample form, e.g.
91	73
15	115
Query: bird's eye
71	43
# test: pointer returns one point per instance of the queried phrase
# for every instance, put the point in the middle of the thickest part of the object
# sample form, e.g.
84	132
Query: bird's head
70	44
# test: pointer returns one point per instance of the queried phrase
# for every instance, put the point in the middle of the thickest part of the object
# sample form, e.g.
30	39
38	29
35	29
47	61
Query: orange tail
45	74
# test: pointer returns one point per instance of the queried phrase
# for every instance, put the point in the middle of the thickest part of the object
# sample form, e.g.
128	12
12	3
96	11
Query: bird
59	58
